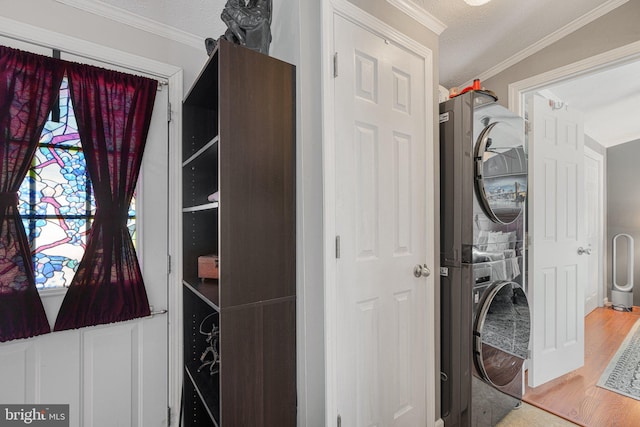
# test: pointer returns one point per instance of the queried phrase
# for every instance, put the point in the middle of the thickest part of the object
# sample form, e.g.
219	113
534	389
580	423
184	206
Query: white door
381	212
110	375
593	187
557	272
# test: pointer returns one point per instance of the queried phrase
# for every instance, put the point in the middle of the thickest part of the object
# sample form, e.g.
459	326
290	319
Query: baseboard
439	422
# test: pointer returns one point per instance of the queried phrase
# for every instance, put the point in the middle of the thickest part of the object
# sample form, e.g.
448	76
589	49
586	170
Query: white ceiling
477	43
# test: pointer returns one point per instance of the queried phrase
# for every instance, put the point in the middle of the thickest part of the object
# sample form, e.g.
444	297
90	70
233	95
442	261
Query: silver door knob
583	251
421	270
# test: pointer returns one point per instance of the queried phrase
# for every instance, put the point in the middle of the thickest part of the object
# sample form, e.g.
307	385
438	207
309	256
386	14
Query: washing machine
485	316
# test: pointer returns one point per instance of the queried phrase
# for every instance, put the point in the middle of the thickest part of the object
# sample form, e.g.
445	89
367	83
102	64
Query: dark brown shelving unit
239	139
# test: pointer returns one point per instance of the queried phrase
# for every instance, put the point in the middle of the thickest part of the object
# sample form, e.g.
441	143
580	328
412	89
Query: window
56	199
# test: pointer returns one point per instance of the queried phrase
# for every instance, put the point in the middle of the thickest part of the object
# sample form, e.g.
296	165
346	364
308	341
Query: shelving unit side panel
257	177
279	332
241	367
258	365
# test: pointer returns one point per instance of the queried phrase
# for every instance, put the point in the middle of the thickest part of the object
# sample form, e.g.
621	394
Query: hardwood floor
575	396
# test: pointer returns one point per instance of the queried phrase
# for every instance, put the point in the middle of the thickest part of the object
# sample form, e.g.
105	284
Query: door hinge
168	111
339	421
168	416
335	65
338	247
168	264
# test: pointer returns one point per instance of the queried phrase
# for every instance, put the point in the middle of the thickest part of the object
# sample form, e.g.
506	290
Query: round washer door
501	333
501	171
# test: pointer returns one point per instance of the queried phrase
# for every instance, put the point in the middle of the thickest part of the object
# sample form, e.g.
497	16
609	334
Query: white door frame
365	20
588	152
615	57
174	76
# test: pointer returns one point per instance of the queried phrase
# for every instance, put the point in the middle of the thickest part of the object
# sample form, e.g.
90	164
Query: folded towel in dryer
499	270
512	267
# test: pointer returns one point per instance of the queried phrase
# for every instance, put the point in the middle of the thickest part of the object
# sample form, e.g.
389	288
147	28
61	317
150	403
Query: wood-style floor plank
575	396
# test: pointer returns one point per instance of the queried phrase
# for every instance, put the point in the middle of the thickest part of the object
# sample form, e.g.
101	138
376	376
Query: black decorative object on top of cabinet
238	185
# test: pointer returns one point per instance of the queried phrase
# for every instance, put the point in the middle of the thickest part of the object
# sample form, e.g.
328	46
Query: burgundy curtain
29	86
113	112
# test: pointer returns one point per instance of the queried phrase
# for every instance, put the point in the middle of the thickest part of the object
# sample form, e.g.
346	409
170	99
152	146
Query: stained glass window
56	199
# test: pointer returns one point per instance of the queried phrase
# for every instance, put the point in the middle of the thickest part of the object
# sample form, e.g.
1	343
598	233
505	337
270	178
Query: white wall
296	34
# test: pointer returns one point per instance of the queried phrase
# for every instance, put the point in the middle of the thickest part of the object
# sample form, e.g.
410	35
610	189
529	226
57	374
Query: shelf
206	207
200	176
207	291
207	146
208	388
200	127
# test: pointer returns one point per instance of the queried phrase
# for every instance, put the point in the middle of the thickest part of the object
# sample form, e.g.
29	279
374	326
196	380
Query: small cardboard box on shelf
208	267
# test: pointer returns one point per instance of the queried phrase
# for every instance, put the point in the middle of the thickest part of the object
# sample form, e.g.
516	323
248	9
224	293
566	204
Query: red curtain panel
113	112
29	86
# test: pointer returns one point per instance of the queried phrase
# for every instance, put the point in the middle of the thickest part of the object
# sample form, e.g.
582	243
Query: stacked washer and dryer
485	325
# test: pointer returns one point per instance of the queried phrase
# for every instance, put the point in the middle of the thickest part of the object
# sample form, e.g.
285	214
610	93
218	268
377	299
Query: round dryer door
501	334
501	171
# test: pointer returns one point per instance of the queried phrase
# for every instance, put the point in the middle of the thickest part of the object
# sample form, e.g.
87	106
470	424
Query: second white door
558	248
593	186
382	180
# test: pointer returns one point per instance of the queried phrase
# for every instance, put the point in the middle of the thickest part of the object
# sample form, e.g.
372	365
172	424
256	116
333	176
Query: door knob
421	270
583	251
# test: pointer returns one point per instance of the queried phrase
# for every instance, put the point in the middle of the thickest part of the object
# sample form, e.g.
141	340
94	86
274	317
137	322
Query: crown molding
352	12
578	23
419	14
75	46
117	14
